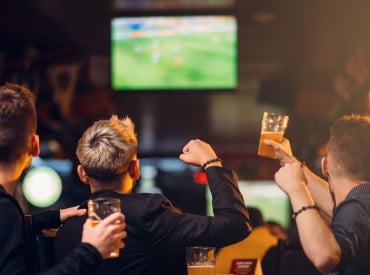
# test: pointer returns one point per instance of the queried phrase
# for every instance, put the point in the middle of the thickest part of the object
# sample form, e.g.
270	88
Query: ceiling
298	44
275	34
298	37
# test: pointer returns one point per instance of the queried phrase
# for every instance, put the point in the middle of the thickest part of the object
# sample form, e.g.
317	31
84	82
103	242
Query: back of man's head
107	147
349	147
18	121
256	217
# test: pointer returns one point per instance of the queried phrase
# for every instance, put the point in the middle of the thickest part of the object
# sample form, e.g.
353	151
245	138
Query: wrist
212	162
298	192
290	160
304	208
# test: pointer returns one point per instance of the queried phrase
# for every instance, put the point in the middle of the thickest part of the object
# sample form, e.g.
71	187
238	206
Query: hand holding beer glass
100	208
200	260
273	127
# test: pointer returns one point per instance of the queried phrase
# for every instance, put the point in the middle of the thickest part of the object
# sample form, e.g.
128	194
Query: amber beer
266	150
114	253
201	270
200	260
100	208
272	127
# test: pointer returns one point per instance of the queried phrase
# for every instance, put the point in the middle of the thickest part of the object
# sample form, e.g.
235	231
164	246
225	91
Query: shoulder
11	217
9	208
150	202
352	216
146	198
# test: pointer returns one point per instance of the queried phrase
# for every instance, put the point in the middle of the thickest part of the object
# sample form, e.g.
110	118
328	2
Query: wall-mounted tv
196	52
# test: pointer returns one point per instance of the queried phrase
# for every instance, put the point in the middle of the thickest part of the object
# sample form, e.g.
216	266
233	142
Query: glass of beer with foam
273	127
100	208
200	260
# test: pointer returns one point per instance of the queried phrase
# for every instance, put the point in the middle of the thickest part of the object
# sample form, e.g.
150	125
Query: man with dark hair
18	144
343	247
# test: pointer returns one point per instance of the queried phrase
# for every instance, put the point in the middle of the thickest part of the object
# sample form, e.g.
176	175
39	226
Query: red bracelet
209	162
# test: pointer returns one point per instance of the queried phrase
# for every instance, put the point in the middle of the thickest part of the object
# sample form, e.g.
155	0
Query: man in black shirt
18	144
157	233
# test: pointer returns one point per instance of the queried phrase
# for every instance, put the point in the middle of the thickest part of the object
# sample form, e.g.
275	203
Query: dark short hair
18	121
255	216
349	146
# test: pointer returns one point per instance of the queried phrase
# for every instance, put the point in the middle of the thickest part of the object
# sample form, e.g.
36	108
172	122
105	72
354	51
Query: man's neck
122	185
9	176
343	186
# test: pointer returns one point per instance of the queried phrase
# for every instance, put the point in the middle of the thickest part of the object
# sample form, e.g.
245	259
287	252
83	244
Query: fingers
119	237
71	212
269	142
114	218
81	212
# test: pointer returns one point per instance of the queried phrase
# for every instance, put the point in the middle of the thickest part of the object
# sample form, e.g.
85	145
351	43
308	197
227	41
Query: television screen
174	53
267	197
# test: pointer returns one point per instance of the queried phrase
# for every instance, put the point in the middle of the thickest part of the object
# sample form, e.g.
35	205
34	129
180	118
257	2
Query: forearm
320	191
317	239
318	187
82	260
227	198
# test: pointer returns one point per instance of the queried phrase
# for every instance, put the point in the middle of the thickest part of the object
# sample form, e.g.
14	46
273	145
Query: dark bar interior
307	59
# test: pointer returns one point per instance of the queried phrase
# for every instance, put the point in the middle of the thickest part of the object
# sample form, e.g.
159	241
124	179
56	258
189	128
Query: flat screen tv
267	197
174	53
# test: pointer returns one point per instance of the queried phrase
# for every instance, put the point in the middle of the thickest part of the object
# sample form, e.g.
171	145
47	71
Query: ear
35	145
82	174
134	169
324	166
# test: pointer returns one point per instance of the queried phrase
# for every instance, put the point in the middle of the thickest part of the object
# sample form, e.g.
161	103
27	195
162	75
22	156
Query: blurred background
307	59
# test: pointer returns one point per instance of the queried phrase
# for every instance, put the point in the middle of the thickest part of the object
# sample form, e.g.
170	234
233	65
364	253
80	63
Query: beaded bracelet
210	161
304	208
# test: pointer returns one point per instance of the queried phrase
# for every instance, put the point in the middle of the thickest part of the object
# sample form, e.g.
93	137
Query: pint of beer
100	208
201	270
200	260
273	127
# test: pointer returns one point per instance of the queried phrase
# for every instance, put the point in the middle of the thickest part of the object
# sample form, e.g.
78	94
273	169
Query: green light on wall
42	186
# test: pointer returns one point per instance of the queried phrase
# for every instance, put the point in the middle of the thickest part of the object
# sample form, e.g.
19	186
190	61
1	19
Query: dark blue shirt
351	227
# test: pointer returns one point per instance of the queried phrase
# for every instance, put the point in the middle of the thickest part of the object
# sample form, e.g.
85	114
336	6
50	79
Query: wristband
304	208
210	161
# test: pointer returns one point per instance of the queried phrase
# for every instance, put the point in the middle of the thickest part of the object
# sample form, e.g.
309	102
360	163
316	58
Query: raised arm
317	239
199	153
318	187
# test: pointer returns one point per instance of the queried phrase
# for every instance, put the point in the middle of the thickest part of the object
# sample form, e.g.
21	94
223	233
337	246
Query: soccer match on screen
174	52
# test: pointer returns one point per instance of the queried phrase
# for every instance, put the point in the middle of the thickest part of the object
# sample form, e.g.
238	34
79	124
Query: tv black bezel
150	13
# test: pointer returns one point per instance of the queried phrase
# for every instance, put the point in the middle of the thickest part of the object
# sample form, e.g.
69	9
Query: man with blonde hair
157	232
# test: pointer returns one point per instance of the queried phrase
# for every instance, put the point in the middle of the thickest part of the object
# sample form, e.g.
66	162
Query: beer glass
273	127
200	260
100	208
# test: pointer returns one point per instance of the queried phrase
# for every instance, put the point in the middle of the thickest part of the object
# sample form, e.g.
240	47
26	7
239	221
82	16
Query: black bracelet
304	208
209	162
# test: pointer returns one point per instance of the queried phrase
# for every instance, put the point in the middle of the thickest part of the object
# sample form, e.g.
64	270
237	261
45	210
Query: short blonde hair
106	148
